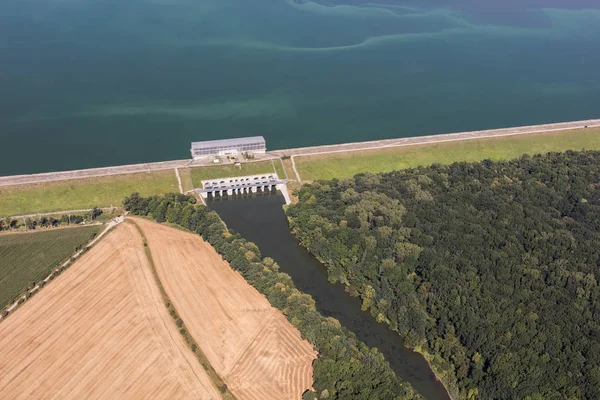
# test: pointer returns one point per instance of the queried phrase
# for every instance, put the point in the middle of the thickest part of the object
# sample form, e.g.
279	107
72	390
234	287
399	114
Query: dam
243	185
305	151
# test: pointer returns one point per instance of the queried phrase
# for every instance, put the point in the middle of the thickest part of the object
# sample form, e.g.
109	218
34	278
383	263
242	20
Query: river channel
260	219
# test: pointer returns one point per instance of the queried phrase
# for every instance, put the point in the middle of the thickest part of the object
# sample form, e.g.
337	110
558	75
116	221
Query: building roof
228	142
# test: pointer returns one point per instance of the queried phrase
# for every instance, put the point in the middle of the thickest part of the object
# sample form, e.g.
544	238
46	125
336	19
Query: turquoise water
88	83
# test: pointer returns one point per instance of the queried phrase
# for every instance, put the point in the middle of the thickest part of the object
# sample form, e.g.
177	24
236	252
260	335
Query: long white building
228	147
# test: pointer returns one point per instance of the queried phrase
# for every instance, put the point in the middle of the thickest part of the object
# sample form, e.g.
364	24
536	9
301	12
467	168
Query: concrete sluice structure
243	184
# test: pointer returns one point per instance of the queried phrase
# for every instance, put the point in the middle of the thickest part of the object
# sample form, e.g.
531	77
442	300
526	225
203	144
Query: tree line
490	267
346	368
48	221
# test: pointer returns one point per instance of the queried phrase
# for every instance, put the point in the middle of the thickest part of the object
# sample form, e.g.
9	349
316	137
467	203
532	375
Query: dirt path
100	331
295	170
179	180
60	212
250	344
111	224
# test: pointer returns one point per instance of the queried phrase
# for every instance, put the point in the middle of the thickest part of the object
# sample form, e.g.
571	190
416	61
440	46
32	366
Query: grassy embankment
346	165
107	191
186	179
110	190
30	257
226	171
75	194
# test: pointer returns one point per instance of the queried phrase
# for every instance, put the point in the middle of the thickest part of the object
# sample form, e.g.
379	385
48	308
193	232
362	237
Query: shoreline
24	179
428	359
417	349
438	138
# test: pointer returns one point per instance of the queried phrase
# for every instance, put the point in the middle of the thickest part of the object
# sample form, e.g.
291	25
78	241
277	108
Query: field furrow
100	331
27	257
259	354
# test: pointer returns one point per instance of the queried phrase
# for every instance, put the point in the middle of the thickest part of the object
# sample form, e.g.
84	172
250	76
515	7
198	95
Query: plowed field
100	330
259	354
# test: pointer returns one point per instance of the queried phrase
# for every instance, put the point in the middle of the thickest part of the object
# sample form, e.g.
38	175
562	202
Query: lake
86	83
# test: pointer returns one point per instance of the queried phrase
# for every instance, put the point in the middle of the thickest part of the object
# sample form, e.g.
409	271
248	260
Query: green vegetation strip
348	164
186	179
345	368
76	194
27	258
225	171
213	375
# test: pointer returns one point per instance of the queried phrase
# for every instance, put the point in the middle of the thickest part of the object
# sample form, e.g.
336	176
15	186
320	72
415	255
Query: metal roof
228	142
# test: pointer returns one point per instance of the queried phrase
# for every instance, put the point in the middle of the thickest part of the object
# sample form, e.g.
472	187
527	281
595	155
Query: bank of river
261	220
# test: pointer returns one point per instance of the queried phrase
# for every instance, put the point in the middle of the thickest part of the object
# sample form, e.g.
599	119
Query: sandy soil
259	354
100	331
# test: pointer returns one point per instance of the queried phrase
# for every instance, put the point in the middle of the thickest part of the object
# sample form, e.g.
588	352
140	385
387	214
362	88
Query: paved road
448	137
157	166
91	173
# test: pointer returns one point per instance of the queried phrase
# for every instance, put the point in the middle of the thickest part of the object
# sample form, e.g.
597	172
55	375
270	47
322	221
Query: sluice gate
243	184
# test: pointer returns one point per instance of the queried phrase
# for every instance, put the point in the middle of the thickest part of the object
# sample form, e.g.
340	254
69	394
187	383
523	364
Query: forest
346	368
489	268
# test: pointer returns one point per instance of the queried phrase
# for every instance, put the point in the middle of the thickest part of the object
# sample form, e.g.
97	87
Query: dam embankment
439	138
301	151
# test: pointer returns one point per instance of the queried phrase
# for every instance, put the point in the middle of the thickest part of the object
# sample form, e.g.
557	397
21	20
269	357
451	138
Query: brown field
100	330
251	345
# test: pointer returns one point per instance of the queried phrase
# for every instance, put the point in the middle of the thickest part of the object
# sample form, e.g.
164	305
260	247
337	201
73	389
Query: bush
309	395
76	219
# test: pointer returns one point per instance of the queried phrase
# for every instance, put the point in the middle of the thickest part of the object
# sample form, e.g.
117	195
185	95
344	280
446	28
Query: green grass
226	171
279	169
348	164
186	179
85	193
29	257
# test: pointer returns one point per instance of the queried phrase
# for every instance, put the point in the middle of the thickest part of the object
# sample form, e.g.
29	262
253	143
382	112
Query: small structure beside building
228	147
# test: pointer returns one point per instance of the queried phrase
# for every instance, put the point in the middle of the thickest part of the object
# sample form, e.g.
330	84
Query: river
260	219
93	83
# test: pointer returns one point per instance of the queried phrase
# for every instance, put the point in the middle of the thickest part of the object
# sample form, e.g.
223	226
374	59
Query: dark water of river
87	83
260	219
